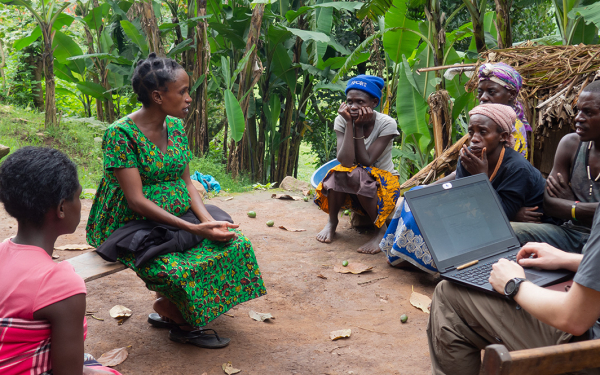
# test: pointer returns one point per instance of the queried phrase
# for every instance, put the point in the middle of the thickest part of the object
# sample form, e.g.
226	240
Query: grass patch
75	137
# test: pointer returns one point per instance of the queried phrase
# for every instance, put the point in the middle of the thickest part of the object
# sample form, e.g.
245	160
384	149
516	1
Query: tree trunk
196	124
48	58
283	157
37	62
299	127
245	157
503	23
441	119
2	65
479	35
439	37
150	27
90	44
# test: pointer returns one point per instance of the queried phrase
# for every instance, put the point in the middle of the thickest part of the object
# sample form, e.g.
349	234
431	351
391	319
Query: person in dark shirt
573	188
516	181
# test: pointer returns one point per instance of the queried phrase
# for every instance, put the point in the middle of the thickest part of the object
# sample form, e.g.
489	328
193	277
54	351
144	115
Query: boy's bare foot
326	235
372	246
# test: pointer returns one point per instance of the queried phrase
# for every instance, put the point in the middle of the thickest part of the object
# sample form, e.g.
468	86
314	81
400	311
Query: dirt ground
306	307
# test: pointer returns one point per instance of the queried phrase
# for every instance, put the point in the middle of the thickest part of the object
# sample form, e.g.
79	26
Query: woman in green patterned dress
146	176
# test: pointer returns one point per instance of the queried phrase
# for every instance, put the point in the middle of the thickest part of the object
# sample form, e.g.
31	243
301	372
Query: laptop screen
460	219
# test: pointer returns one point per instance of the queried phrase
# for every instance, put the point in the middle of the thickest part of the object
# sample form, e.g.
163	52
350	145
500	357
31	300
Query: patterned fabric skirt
204	281
388	191
403	241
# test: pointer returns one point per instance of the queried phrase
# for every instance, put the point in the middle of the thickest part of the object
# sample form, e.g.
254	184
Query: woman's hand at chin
215	230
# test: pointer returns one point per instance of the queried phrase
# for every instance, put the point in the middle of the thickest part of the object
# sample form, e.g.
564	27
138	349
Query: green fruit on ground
345	263
251	214
270	223
404	318
306	199
347	212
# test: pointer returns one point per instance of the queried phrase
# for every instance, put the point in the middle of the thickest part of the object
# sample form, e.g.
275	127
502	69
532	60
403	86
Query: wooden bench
90	266
549	360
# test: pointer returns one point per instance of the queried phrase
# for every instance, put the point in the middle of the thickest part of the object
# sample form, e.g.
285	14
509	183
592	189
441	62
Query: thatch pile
553	78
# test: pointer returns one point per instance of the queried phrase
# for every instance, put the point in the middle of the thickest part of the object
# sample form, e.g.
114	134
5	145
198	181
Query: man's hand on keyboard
503	271
542	255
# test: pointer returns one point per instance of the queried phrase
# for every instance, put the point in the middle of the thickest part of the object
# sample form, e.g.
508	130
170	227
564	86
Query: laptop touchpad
532	276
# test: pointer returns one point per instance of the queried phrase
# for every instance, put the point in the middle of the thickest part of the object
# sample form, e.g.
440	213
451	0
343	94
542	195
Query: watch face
510	287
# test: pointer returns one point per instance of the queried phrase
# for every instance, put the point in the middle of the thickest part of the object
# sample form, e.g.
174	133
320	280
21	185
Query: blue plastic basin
320	173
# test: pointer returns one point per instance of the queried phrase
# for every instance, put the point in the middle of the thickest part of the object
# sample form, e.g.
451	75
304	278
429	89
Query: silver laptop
466	230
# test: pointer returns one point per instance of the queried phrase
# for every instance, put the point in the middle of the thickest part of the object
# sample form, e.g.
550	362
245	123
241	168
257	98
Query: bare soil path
306	307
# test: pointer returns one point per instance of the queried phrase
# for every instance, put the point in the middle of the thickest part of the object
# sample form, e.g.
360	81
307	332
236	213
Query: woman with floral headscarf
500	83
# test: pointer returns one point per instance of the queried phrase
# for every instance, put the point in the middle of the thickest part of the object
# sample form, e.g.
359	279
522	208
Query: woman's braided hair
152	74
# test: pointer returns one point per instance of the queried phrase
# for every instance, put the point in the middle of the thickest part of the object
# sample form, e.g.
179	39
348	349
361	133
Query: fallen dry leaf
322	277
291	229
55	256
286	197
227	199
120	311
420	301
114	357
260	317
228	369
354	268
342	333
74	247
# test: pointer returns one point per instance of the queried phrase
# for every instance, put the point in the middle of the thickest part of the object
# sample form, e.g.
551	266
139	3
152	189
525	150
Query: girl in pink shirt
42	303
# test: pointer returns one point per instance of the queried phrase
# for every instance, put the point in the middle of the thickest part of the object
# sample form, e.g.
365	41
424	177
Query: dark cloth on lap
148	239
358	182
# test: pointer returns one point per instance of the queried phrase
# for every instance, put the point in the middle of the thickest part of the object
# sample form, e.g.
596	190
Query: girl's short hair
152	74
34	180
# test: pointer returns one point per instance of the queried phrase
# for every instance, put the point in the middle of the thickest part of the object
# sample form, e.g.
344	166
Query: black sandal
156	321
199	338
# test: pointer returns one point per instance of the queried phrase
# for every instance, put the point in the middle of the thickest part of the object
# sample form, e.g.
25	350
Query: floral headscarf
510	79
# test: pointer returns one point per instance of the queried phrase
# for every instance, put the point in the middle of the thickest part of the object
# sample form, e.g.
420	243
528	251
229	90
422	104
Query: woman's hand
472	163
366	117
344	111
215	230
528	215
559	188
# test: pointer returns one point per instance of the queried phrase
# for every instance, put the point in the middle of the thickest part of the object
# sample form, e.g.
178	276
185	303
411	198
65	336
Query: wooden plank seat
90	266
549	360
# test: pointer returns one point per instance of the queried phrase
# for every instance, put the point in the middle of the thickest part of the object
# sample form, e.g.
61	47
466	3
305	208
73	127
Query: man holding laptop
464	320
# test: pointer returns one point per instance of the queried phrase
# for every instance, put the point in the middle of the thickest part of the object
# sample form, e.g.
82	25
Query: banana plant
46	14
572	16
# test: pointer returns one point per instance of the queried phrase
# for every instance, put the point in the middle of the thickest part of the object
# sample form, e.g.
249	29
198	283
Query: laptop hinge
449	268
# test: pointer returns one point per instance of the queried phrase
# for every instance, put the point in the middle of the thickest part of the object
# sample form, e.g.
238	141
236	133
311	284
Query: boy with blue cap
365	181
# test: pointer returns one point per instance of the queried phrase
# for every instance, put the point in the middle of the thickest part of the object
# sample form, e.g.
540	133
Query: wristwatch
512	287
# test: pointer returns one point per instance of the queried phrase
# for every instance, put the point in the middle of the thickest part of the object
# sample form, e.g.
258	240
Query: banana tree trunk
299	127
90	42
150	27
48	58
503	23
196	123
441	119
2	65
243	156
433	12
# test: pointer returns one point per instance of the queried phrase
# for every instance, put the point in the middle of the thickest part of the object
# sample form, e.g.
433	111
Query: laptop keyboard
479	274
